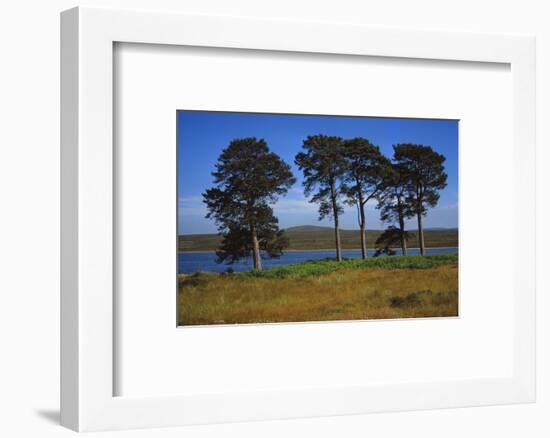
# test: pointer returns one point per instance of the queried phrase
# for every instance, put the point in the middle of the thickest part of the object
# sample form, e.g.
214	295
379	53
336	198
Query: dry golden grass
345	294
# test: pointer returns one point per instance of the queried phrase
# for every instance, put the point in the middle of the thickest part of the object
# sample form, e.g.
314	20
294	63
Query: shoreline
321	249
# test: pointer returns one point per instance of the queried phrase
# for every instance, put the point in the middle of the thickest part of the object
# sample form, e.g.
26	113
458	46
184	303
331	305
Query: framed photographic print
275	219
275	214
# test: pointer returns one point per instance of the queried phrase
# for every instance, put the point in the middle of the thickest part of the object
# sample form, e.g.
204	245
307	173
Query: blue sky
203	135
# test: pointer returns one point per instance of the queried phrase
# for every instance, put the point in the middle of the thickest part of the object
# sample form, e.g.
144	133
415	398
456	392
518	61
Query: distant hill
312	237
318	228
307	228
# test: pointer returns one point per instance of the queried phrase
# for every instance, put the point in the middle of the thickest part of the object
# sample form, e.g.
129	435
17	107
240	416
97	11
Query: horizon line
331	229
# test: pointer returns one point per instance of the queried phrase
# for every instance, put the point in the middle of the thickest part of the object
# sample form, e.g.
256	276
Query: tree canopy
390	237
249	179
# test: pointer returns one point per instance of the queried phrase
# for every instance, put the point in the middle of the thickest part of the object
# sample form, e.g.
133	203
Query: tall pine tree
394	205
324	165
425	176
248	178
364	178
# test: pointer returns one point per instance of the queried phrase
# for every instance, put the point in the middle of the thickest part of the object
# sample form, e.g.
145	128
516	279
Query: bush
196	279
423	297
411	300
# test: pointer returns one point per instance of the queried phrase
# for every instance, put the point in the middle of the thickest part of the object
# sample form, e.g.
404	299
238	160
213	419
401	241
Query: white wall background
29	216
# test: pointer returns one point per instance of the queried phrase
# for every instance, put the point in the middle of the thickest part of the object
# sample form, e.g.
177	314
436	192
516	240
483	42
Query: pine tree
425	176
393	203
248	178
365	174
323	165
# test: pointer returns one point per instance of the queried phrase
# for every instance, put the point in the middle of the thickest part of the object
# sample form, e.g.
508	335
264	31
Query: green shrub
320	267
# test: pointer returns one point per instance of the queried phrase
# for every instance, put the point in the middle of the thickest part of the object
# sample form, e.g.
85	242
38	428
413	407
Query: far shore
397	249
309	238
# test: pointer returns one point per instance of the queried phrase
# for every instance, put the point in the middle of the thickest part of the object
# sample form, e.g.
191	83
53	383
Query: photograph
287	218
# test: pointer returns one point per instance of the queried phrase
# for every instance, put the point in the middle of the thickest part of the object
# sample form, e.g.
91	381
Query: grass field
313	237
355	289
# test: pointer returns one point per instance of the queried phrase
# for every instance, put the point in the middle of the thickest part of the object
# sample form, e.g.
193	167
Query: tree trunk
420	234
337	238
256	249
402	229
362	227
336	224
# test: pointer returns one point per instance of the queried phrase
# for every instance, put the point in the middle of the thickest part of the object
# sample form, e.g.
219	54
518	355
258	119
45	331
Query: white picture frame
87	317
